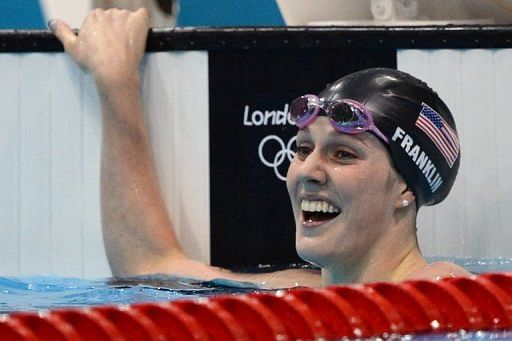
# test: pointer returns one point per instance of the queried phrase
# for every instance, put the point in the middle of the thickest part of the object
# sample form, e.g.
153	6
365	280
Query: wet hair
421	130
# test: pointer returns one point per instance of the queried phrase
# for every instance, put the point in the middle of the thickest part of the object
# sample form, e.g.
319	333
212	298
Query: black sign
251	143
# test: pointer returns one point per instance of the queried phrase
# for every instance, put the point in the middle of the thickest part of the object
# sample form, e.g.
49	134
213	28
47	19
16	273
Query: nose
311	172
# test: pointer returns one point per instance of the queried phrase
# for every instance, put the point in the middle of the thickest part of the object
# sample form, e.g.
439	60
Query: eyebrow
334	136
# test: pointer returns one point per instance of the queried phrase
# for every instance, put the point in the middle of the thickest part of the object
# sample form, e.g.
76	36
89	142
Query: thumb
64	33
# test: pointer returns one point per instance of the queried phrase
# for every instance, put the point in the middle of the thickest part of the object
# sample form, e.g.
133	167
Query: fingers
139	27
138	20
64	33
143	12
109	43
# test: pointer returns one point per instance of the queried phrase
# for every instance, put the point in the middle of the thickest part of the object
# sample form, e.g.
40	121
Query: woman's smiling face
344	191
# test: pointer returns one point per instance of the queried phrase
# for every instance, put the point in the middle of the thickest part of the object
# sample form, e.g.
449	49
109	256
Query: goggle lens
343	114
300	108
346	115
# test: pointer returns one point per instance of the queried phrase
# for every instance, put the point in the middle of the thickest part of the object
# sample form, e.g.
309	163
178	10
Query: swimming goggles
346	115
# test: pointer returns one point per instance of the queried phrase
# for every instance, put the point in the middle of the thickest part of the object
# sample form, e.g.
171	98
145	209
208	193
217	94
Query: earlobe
406	198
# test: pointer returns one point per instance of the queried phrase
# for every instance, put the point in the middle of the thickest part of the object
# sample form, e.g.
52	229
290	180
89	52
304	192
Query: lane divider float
477	303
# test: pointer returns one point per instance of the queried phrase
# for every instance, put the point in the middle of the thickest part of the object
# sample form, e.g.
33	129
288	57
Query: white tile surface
34	168
10	230
50	160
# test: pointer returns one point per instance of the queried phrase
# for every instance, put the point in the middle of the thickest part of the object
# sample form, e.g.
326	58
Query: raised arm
138	234
137	231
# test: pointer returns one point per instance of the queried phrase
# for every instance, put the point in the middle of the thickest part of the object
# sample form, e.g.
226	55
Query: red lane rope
481	302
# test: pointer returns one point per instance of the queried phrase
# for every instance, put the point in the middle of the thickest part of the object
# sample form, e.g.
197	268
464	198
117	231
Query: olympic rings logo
280	157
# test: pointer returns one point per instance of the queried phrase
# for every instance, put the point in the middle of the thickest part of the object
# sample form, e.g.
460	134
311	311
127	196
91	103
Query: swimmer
364	166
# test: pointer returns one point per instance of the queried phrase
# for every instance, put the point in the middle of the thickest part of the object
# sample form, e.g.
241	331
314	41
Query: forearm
137	230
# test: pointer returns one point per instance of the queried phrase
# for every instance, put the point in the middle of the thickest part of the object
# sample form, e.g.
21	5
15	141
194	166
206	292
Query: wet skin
353	173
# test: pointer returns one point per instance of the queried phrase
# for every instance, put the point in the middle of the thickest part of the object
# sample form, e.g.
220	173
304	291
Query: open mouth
318	211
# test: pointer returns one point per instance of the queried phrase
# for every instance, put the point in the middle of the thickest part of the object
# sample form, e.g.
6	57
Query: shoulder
439	270
289	278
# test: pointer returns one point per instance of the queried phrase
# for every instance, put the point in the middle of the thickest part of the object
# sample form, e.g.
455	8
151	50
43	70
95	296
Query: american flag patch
443	136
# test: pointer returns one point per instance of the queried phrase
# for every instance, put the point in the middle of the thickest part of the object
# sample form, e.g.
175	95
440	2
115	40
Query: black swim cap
423	140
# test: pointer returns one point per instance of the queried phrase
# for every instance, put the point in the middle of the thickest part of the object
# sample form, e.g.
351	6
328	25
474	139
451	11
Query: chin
327	252
314	254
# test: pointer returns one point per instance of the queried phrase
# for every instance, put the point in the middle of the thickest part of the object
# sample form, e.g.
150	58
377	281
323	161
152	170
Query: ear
406	199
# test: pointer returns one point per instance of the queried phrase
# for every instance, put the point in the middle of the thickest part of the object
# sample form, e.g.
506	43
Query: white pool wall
50	138
50	151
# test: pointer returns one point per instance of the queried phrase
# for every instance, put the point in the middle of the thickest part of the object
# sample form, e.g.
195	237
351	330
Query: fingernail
52	24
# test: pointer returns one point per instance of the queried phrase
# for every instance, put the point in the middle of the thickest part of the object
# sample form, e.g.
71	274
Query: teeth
318	206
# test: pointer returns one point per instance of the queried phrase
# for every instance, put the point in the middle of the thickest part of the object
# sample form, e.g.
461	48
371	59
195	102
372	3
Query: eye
344	155
302	152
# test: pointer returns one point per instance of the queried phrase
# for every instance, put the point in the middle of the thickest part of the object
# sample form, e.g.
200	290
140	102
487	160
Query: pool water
462	335
478	266
37	293
45	292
